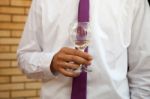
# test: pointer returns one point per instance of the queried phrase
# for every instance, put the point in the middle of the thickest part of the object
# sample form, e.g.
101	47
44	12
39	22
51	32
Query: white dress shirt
120	47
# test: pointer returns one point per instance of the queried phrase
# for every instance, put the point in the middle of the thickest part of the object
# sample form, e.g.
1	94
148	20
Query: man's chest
111	20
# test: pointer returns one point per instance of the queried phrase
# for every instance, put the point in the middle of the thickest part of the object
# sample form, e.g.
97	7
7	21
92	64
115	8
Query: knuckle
76	52
57	67
60	69
56	57
58	64
72	58
82	61
59	56
78	59
63	49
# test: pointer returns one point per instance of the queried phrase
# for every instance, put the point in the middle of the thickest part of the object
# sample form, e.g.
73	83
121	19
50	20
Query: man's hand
68	58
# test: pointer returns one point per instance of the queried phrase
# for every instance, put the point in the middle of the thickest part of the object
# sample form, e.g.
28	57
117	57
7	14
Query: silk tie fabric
79	84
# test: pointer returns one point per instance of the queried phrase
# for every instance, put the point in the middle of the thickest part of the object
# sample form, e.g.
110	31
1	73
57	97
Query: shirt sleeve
139	52
33	61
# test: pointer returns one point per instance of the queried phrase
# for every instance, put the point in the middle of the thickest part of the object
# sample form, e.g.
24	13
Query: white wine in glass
80	36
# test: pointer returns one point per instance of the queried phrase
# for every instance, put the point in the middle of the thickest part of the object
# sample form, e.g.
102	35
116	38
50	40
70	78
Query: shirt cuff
48	74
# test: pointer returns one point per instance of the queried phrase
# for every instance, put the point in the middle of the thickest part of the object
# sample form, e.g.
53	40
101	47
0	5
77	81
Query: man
119	53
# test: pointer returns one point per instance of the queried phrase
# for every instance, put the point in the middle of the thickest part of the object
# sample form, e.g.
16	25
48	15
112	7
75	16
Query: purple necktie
79	84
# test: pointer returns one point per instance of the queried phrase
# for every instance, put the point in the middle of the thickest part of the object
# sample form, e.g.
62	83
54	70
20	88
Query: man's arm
139	52
34	63
38	64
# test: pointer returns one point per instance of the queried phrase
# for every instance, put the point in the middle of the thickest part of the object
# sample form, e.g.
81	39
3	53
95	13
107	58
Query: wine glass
80	36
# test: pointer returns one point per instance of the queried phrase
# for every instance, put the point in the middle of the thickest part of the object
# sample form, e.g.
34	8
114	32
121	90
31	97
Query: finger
75	52
69	73
76	59
69	65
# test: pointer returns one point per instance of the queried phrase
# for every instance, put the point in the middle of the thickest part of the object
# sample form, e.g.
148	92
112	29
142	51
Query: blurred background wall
13	84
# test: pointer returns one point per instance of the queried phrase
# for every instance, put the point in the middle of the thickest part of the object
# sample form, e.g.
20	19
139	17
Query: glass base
83	68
